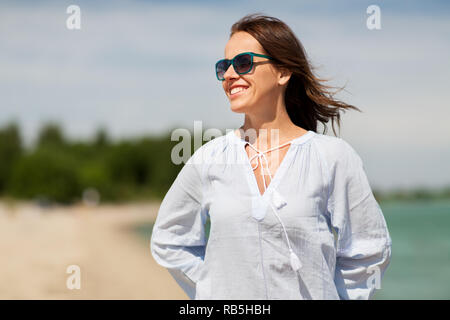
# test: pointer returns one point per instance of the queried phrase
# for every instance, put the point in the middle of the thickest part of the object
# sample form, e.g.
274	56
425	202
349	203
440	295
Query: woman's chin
238	107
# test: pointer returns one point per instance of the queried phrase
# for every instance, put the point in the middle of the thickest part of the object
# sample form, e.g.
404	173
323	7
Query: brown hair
307	99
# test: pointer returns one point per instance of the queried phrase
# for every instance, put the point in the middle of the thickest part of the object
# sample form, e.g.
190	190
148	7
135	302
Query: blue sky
143	67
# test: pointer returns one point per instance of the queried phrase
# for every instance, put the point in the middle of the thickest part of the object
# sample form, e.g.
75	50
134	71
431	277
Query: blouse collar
296	141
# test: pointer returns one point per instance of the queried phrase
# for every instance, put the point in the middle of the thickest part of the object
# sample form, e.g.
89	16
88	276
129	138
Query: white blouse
317	231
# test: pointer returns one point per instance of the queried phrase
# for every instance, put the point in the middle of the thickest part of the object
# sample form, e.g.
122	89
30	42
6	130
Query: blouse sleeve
363	248
178	238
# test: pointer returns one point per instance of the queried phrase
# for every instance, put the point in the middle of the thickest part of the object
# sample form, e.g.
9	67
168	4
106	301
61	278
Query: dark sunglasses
242	64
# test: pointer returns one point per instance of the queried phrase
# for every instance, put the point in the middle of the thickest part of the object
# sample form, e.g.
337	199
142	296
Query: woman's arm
363	240
178	237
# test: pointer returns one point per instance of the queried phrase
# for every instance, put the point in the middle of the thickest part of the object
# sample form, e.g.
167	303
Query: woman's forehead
241	42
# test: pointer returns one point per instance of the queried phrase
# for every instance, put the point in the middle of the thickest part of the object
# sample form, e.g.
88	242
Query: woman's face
261	85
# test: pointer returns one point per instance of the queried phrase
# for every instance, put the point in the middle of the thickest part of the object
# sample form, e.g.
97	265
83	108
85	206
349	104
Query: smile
235	91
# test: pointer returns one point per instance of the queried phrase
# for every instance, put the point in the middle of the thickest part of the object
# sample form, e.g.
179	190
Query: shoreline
37	246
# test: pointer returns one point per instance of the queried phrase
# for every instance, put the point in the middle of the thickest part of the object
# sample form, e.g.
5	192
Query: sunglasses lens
243	63
222	67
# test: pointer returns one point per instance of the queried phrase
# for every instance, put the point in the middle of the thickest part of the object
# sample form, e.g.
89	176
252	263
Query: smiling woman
274	69
297	220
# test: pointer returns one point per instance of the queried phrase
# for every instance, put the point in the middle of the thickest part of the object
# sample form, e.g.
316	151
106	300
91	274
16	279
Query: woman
292	212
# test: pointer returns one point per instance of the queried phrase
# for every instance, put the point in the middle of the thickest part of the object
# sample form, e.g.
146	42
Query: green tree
46	173
50	135
10	152
101	138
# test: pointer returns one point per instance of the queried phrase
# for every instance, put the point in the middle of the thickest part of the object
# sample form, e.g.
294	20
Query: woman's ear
284	76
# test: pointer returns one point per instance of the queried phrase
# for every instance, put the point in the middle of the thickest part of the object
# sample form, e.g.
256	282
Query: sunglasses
242	64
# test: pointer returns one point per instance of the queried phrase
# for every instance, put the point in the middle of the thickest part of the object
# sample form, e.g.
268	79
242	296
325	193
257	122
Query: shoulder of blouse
333	148
209	151
335	155
205	155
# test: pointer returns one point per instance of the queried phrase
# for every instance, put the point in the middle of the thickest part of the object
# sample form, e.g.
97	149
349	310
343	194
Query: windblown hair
308	101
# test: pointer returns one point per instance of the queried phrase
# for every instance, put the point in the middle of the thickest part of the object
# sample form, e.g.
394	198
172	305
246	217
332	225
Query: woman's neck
269	133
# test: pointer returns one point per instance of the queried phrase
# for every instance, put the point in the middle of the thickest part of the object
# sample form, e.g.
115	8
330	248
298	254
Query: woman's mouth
237	91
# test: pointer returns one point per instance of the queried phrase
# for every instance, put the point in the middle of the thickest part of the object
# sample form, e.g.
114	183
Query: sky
147	67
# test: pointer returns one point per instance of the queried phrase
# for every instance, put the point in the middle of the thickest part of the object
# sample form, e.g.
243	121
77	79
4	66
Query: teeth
237	89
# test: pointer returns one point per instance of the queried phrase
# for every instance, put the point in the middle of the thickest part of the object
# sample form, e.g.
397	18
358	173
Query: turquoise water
420	264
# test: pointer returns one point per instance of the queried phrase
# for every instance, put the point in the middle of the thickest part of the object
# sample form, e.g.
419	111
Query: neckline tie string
261	155
293	258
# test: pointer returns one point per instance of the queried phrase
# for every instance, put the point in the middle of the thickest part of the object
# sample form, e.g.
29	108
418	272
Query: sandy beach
37	245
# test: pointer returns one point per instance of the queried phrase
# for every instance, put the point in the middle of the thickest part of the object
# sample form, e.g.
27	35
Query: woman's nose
230	73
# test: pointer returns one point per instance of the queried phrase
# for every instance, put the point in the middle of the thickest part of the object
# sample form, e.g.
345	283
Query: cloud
142	67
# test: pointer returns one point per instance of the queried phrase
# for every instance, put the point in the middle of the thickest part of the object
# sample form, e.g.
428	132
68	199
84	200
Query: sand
37	245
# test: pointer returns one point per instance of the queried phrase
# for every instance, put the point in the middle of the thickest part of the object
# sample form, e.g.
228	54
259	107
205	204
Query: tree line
59	170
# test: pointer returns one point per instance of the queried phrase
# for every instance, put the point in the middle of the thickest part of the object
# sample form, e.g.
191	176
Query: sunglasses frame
231	62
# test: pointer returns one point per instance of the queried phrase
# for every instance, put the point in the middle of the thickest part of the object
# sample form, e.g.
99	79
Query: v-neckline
282	167
260	201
